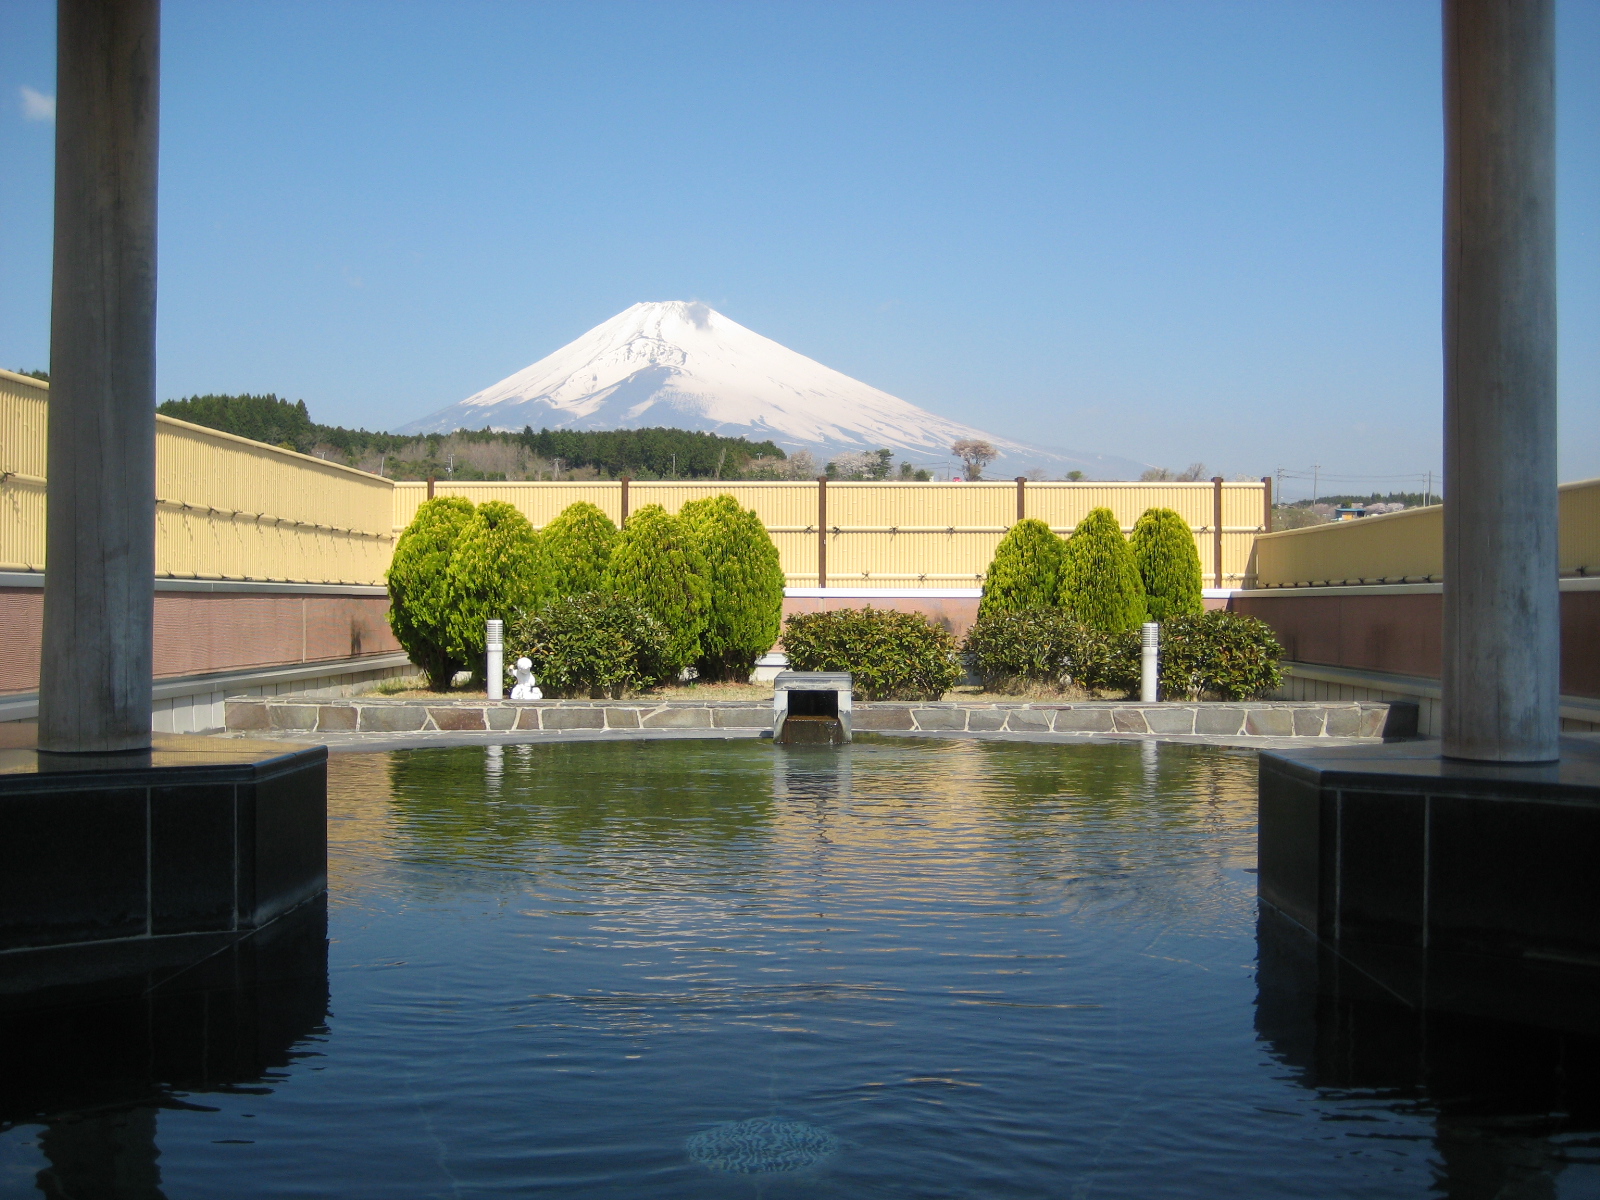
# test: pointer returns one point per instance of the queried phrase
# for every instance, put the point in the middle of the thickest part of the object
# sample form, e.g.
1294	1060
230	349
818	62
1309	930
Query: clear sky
1170	231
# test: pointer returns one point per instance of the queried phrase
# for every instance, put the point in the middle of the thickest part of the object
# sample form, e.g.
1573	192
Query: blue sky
1170	231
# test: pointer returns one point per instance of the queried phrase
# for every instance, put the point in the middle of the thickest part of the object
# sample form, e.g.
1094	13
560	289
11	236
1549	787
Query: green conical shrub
1169	565
491	575
746	586
419	585
1100	585
573	552
1025	571
656	563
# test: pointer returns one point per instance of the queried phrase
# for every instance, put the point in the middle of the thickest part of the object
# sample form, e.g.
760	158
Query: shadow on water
95	1070
1512	1106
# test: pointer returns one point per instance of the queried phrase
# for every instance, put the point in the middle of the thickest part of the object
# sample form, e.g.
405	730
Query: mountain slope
684	365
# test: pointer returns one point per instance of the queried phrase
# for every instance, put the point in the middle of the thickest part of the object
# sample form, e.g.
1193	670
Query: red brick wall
1402	634
198	633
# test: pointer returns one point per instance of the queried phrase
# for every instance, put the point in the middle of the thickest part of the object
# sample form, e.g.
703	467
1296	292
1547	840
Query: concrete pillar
1501	603
99	589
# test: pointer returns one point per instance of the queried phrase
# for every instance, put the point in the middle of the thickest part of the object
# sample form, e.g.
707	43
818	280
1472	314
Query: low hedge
1010	650
1218	655
594	645
1206	656
892	655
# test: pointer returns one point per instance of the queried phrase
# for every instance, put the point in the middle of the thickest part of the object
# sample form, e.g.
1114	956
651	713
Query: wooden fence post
626	480
1022	511
822	531
430	487
1266	504
1216	528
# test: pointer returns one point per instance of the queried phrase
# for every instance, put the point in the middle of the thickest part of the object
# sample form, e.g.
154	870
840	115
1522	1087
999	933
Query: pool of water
906	968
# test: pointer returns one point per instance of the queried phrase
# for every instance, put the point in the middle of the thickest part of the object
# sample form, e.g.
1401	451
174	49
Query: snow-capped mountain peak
682	364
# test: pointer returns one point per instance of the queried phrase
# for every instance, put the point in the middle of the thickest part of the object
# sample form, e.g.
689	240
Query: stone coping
1260	718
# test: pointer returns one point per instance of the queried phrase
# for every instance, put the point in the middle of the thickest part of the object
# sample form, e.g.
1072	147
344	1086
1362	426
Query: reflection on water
901	968
87	1075
1512	1107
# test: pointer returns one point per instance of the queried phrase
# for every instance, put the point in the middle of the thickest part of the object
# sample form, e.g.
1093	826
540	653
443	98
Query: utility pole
1316	481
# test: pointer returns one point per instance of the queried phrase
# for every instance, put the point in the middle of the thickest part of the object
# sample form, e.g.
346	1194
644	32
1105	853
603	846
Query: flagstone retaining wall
1259	718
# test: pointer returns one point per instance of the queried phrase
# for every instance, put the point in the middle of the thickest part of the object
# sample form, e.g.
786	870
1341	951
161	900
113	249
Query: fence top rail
1007	484
25	380
1405	514
205	431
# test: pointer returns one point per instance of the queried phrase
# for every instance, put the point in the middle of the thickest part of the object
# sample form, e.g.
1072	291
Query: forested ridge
657	453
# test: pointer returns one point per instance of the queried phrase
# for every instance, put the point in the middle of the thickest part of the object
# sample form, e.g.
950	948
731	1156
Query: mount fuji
681	364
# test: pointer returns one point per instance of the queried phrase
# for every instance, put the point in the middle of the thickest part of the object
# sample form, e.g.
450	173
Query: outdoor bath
898	967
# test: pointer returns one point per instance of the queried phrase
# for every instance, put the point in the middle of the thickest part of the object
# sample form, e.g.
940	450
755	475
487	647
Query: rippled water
725	969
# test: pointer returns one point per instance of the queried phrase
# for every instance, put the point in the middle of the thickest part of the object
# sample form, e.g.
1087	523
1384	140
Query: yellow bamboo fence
1408	546
226	507
903	535
230	508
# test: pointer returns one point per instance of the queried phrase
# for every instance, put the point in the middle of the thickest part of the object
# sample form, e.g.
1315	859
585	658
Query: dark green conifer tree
573	552
745	579
1169	565
419	585
656	563
491	575
1100	585
1025	571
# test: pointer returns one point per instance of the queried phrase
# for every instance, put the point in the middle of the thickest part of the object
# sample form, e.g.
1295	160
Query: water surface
976	969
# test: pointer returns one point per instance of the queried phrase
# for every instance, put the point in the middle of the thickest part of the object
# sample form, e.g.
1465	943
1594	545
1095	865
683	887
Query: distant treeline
646	453
1409	499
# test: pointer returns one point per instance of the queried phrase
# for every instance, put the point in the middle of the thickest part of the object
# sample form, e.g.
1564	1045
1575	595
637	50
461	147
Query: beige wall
1408	547
226	507
899	535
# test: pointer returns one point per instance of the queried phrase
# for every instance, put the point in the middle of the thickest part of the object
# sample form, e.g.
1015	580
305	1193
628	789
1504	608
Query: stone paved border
1252	718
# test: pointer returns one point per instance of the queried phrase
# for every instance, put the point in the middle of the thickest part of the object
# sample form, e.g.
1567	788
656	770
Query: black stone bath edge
118	865
1447	885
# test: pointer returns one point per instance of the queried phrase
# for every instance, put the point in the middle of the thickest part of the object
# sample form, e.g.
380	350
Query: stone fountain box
111	863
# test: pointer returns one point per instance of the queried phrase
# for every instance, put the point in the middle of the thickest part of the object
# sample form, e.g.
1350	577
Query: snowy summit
681	364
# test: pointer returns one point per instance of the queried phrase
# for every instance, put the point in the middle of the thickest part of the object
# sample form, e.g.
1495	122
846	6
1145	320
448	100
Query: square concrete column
99	590
1501	675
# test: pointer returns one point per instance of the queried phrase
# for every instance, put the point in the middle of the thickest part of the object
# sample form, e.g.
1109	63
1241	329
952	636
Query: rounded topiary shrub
573	551
419	586
1025	572
593	645
892	655
745	579
1100	584
491	575
1219	655
1012	649
656	563
1169	565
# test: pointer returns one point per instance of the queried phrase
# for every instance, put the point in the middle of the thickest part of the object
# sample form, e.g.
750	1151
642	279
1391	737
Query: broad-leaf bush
892	655
1169	565
745	587
1105	660
1221	655
419	587
1025	572
573	551
594	645
1013	649
491	575
656	563
1101	585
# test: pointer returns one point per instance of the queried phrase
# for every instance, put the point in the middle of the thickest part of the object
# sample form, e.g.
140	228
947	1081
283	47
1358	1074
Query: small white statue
524	689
